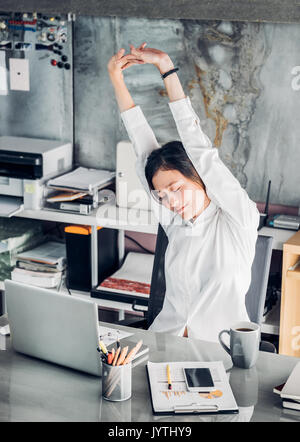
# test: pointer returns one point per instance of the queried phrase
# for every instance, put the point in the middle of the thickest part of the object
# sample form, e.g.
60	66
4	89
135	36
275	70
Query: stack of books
42	266
290	390
79	191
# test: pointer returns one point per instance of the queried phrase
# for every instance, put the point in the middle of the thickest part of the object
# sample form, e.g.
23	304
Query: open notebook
133	278
131	283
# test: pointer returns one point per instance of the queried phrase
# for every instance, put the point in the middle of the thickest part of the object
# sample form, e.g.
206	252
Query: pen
169	377
103	348
110	358
103	356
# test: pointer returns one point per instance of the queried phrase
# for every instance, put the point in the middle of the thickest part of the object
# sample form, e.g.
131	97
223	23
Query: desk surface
34	390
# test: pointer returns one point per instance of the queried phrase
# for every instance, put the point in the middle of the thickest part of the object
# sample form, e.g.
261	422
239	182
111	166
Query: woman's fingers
131	63
125	59
137	51
119	61
142	45
120	54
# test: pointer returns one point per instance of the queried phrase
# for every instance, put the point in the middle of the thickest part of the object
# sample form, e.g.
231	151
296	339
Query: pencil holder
116	382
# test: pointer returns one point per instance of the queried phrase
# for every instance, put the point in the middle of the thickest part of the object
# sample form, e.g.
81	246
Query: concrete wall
275	11
237	74
239	77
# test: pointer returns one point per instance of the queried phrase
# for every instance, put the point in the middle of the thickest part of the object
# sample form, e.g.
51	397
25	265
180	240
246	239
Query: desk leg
121	248
121	316
121	245
94	256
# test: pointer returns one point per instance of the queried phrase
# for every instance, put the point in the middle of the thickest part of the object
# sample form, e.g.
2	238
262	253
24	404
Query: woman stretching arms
208	217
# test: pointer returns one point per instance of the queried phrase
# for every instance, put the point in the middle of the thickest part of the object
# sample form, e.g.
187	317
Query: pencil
116	356
132	353
169	377
122	355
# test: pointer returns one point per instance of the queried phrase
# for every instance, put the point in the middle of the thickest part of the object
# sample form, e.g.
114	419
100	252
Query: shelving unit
289	339
136	220
107	215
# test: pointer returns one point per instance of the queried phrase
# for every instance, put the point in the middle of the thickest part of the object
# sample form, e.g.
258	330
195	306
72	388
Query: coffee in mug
244	329
244	343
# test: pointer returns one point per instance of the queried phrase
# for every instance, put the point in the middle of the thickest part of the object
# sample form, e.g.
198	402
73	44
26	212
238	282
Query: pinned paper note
19	74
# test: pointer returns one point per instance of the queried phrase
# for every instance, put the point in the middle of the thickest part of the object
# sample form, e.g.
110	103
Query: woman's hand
119	62
153	56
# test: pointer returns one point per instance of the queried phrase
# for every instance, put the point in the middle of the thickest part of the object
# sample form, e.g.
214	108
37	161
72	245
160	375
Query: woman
208	217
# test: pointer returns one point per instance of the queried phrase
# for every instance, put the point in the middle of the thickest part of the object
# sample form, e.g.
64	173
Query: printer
25	166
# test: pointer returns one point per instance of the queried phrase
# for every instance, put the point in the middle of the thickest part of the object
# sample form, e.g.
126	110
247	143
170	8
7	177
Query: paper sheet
10	205
51	252
82	179
111	335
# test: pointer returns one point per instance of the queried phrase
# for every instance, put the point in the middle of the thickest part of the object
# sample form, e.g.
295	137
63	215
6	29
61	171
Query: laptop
53	326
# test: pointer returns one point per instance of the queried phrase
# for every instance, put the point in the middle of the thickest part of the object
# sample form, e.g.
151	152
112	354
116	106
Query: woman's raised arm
163	63
138	129
116	65
220	183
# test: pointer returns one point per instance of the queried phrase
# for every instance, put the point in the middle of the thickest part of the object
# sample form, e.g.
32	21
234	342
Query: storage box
78	244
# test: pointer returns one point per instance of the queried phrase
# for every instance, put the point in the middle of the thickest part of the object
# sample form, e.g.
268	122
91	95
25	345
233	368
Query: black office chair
255	297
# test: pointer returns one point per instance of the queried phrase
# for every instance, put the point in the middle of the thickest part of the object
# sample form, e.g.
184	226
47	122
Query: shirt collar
207	213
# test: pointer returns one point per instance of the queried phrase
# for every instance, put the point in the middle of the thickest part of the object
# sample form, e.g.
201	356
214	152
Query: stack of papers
82	179
42	266
65	196
290	392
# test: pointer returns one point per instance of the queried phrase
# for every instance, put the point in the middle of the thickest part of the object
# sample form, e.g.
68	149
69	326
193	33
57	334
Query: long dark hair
171	156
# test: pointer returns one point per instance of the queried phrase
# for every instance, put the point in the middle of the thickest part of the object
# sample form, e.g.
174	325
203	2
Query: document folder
180	400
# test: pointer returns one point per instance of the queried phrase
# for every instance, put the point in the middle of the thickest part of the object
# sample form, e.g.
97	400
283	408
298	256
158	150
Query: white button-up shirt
208	261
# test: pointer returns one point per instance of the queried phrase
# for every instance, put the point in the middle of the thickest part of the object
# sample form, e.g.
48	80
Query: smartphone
198	379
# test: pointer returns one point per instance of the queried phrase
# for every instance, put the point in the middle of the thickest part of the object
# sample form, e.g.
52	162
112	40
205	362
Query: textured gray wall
237	74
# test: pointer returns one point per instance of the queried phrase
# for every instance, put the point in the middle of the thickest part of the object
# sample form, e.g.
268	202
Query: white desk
108	215
35	390
280	236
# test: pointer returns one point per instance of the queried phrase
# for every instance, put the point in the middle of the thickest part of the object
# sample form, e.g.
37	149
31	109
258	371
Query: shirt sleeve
221	186
144	142
139	131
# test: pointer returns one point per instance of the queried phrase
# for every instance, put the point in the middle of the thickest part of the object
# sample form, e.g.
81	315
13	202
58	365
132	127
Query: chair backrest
255	297
158	281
